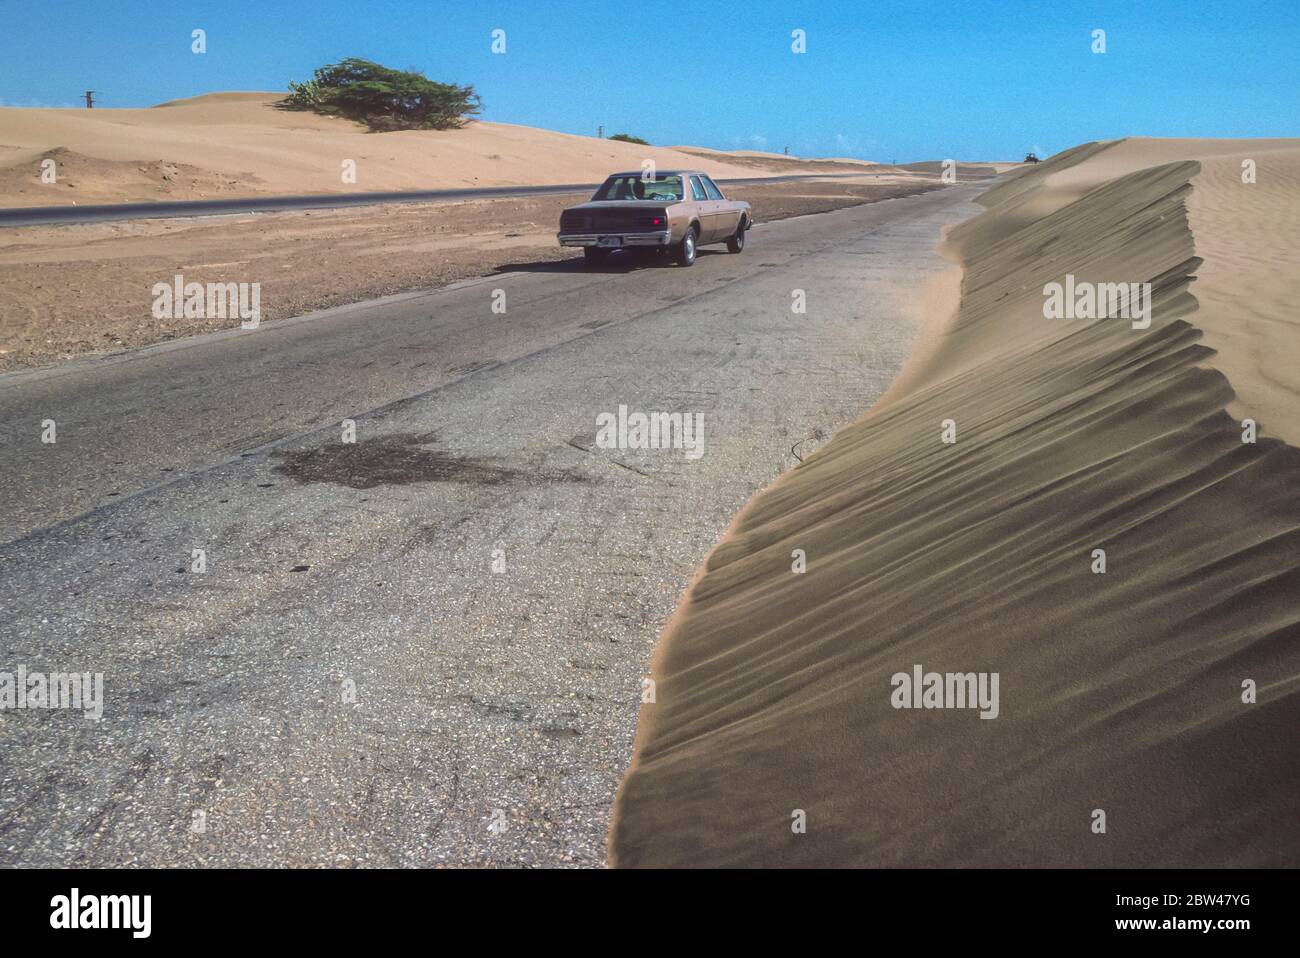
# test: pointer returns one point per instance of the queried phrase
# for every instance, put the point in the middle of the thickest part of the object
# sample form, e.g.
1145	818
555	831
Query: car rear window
633	186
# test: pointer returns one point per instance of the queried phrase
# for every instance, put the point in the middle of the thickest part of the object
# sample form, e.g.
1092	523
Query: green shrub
628	138
382	98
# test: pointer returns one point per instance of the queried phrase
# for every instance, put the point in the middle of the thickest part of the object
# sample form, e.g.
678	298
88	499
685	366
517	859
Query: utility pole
90	99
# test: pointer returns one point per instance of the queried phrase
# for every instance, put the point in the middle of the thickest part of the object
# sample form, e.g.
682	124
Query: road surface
425	647
166	209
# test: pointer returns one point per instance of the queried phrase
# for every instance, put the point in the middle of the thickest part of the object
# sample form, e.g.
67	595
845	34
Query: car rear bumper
625	239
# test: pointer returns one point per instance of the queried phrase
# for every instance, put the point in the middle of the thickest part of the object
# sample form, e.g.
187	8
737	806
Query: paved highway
165	209
425	647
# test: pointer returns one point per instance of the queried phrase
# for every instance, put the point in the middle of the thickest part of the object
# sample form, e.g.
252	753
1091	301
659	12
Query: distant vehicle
675	211
1031	157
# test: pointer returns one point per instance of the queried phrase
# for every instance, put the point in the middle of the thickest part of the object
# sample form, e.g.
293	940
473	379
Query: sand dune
239	144
780	163
1119	691
1249	285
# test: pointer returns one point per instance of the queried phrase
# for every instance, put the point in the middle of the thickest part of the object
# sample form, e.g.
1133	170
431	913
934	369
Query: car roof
660	173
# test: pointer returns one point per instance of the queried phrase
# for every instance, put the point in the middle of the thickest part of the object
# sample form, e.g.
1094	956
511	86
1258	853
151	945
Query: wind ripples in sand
1120	691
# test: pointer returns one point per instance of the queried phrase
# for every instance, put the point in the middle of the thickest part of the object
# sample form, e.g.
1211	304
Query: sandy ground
760	163
72	290
1249	284
241	144
1147	705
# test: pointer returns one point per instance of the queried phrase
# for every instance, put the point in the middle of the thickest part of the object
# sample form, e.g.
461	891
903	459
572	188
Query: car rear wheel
686	248
737	242
594	255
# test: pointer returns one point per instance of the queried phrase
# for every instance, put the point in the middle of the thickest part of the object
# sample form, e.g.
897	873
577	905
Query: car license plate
611	241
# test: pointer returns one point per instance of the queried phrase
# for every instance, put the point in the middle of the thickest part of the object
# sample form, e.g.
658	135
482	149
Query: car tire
737	242
686	249
594	255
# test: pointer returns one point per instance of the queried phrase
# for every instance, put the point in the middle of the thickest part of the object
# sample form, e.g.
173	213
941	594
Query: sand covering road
1119	691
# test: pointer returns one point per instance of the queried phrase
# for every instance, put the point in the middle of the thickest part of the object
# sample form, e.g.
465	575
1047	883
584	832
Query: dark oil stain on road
397	459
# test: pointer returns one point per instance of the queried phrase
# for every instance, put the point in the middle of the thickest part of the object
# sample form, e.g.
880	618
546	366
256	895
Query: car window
697	190
711	188
632	186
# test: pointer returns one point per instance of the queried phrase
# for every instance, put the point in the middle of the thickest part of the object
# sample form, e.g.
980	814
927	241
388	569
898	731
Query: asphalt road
167	209
426	647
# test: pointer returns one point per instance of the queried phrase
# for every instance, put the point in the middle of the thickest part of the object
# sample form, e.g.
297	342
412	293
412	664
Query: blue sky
880	80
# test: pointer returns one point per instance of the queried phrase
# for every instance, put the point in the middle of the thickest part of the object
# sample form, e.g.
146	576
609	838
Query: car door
726	215
705	208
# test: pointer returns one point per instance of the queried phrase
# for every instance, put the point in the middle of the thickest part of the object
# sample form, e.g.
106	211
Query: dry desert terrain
1162	688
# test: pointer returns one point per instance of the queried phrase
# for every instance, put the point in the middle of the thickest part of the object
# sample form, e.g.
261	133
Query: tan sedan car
670	210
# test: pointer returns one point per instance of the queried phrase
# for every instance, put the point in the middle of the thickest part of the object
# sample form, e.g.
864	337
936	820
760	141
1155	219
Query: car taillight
656	221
